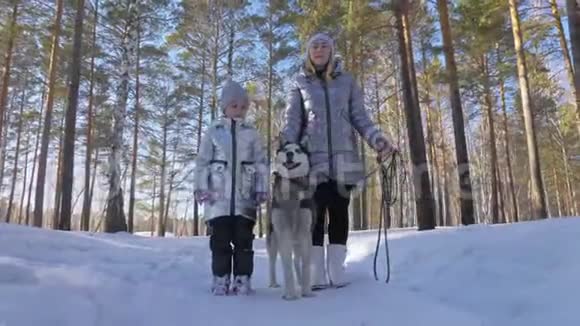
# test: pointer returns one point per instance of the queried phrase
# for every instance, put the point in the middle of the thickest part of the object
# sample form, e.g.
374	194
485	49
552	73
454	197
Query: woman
326	105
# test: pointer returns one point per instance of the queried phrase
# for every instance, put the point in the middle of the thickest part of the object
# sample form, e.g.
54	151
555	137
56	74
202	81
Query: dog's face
292	161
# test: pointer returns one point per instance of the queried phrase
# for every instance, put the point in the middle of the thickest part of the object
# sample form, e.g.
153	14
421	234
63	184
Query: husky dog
291	226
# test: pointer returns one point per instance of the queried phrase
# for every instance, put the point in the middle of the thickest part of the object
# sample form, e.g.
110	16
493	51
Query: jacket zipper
234	168
328	129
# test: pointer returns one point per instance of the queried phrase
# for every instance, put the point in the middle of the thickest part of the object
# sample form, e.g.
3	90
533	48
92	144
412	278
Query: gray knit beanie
320	37
232	91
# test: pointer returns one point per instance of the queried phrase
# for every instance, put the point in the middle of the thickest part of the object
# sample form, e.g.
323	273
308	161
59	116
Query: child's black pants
225	232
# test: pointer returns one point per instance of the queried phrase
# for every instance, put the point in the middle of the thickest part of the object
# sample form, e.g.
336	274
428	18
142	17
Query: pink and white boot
220	285
242	285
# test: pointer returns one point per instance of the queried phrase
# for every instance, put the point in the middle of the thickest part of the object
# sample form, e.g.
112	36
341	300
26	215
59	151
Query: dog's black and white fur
290	231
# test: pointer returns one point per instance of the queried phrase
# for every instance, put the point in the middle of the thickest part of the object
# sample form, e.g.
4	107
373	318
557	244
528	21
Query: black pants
225	232
329	199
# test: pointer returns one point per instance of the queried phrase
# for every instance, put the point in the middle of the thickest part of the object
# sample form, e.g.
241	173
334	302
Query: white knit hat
232	91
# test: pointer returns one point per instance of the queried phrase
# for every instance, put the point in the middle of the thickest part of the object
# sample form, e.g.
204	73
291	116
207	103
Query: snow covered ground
517	275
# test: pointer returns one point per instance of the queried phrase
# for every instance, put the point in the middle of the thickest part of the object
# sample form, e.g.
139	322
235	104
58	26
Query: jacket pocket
217	176
248	180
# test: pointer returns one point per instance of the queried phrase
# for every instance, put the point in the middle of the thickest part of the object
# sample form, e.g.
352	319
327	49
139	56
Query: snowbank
522	274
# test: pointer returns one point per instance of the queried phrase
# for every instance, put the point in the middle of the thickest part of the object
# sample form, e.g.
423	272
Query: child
231	181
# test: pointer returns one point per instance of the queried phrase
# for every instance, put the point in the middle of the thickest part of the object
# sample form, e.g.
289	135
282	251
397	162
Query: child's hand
261	197
203	196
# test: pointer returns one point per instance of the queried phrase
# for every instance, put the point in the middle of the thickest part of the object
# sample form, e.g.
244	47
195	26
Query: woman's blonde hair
328	70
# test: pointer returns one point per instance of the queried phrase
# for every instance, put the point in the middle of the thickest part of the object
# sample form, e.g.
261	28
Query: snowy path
525	274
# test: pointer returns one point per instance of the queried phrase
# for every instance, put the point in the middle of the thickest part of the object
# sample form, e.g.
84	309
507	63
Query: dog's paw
274	285
308	294
290	297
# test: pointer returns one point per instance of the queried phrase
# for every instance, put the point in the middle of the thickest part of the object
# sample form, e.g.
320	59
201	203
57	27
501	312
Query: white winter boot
318	268
242	285
336	268
220	285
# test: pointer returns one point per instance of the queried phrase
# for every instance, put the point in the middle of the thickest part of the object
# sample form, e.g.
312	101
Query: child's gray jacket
232	165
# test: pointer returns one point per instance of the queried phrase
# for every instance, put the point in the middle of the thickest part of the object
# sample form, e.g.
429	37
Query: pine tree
573	8
8	62
71	117
423	196
115	215
538	200
52	70
463	171
86	210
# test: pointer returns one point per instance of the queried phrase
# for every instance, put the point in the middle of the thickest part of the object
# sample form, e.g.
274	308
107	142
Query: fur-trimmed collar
224	121
337	71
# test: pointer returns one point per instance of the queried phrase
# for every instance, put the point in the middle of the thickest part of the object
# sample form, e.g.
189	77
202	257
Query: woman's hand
261	197
203	196
384	149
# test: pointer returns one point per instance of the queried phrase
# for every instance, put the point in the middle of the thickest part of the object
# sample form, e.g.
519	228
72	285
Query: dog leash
388	171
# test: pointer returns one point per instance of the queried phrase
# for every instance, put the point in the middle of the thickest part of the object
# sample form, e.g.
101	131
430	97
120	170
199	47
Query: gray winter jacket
234	169
334	111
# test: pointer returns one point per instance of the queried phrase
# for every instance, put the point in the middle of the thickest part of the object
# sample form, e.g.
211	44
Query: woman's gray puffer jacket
219	153
334	110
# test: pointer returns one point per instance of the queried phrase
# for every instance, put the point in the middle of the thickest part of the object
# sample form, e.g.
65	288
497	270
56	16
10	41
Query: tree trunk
71	118
514	203
572	209
161	220
575	202
538	203
42	160
566	52
17	154
547	199
135	131
432	154
557	185
446	211
37	142
573	9
400	127
484	207
214	65
375	195
231	43
86	211
152	222
115	216
270	91
169	193
199	134
500	190
195	226
4	141
8	65
25	179
493	177
58	189
93	181
423	197
358	202
463	170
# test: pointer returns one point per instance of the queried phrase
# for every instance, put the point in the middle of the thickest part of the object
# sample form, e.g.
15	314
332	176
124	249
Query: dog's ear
280	142
304	143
